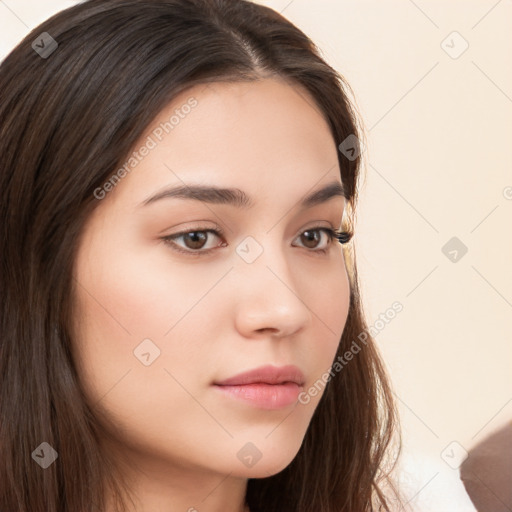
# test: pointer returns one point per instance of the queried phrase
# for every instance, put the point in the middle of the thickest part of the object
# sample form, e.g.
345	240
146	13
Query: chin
272	461
264	470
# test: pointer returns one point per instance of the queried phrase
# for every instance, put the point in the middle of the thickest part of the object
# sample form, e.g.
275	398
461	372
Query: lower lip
265	396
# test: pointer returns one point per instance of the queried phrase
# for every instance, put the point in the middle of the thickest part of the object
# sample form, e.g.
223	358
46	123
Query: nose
269	297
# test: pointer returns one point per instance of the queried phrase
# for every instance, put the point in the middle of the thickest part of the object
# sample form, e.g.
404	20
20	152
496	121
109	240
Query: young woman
181	323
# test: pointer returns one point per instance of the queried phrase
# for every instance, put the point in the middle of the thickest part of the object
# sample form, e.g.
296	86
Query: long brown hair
68	118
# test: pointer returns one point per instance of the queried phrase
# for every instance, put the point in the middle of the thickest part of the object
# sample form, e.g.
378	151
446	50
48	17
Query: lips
266	375
268	387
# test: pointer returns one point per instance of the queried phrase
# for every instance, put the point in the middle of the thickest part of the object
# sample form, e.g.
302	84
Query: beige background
438	165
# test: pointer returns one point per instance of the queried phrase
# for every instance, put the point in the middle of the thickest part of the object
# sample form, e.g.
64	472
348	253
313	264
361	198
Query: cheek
140	318
330	299
139	347
330	302
139	290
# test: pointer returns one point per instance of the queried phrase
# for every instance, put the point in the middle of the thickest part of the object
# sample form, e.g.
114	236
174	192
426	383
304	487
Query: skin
212	316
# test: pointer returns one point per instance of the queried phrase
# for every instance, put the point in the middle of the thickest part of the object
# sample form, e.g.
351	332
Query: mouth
267	387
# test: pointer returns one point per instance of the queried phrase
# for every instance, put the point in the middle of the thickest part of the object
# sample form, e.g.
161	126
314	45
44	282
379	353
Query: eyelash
343	237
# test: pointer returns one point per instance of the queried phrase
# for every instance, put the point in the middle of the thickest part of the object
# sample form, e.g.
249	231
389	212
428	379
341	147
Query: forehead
252	135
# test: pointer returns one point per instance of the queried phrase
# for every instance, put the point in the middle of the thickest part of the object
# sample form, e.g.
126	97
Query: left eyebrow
237	197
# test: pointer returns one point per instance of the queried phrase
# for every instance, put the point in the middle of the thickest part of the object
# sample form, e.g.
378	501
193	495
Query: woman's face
159	323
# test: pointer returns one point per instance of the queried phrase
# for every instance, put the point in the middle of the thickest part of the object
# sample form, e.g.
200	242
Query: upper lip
266	375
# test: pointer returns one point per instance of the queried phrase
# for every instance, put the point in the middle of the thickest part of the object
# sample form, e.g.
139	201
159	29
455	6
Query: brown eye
195	239
311	238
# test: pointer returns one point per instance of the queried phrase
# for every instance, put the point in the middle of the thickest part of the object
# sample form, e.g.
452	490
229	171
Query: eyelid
334	234
169	239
